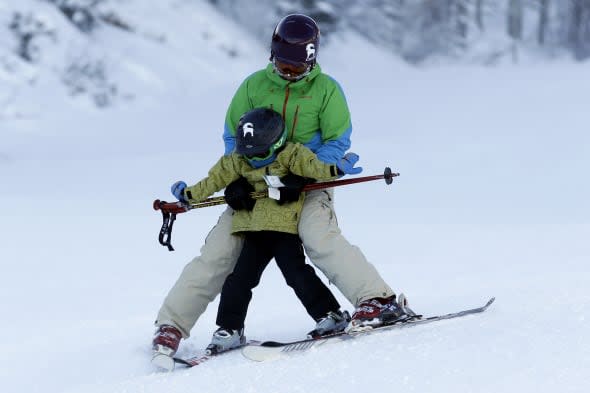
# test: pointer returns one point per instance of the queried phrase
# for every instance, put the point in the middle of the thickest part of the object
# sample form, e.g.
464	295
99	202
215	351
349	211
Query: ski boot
377	312
334	322
165	344
224	340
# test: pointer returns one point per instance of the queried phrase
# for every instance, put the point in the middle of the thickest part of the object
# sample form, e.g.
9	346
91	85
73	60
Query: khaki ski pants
343	264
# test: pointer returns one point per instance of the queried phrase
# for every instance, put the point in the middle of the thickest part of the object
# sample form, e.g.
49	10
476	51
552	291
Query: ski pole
171	209
179	207
387	175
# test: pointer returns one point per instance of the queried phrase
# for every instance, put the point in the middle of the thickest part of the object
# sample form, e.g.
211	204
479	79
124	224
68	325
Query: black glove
237	195
293	187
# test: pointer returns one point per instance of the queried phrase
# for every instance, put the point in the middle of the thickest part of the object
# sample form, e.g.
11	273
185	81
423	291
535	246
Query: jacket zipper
294	123
285	102
287	91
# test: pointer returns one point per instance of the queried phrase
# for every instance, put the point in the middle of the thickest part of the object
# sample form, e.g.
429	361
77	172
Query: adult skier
316	115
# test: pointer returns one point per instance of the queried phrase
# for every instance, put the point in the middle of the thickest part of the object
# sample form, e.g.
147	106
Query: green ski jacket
314	110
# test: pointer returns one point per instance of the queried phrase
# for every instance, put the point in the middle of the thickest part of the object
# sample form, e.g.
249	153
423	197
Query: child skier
269	227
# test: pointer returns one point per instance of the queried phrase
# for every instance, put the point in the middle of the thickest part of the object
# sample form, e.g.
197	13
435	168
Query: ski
200	359
168	363
270	350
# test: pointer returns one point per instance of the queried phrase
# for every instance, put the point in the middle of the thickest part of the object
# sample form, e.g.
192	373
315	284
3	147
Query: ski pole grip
170	207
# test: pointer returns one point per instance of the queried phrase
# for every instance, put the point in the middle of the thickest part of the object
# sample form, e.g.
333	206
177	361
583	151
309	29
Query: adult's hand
346	164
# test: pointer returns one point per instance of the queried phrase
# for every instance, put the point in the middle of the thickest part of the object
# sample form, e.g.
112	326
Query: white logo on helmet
310	48
248	128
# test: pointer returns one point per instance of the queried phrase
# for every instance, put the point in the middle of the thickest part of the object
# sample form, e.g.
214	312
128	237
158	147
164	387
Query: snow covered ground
492	201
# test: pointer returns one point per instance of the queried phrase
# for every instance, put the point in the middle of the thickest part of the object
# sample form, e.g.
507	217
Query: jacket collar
275	78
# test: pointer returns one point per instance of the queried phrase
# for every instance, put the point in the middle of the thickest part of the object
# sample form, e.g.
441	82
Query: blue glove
177	190
346	164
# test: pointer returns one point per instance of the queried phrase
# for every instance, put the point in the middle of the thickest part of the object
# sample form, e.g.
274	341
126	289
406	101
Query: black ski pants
259	248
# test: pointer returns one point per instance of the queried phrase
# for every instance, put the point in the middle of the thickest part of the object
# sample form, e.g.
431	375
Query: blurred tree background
482	31
419	30
61	36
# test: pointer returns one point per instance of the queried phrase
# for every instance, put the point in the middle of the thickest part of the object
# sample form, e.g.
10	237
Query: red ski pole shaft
387	175
178	207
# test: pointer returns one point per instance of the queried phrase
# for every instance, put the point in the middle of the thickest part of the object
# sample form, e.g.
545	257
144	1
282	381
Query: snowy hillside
492	201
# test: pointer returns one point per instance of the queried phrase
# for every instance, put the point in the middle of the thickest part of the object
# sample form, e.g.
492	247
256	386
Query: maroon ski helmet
295	41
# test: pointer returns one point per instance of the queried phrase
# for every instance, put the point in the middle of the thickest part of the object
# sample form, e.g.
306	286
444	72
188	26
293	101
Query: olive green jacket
267	214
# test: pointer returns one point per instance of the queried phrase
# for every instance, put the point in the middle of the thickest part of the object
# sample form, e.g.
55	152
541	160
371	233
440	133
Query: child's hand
293	187
177	190
237	195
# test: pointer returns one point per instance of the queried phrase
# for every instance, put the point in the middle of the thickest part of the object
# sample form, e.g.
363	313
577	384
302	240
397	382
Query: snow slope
492	201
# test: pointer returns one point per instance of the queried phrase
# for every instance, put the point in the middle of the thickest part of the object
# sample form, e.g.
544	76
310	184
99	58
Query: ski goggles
291	71
271	150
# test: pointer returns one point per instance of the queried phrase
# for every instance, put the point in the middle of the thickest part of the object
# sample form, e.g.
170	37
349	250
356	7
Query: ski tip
492	299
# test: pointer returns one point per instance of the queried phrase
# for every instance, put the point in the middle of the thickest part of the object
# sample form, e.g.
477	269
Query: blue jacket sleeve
332	151
229	140
335	123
